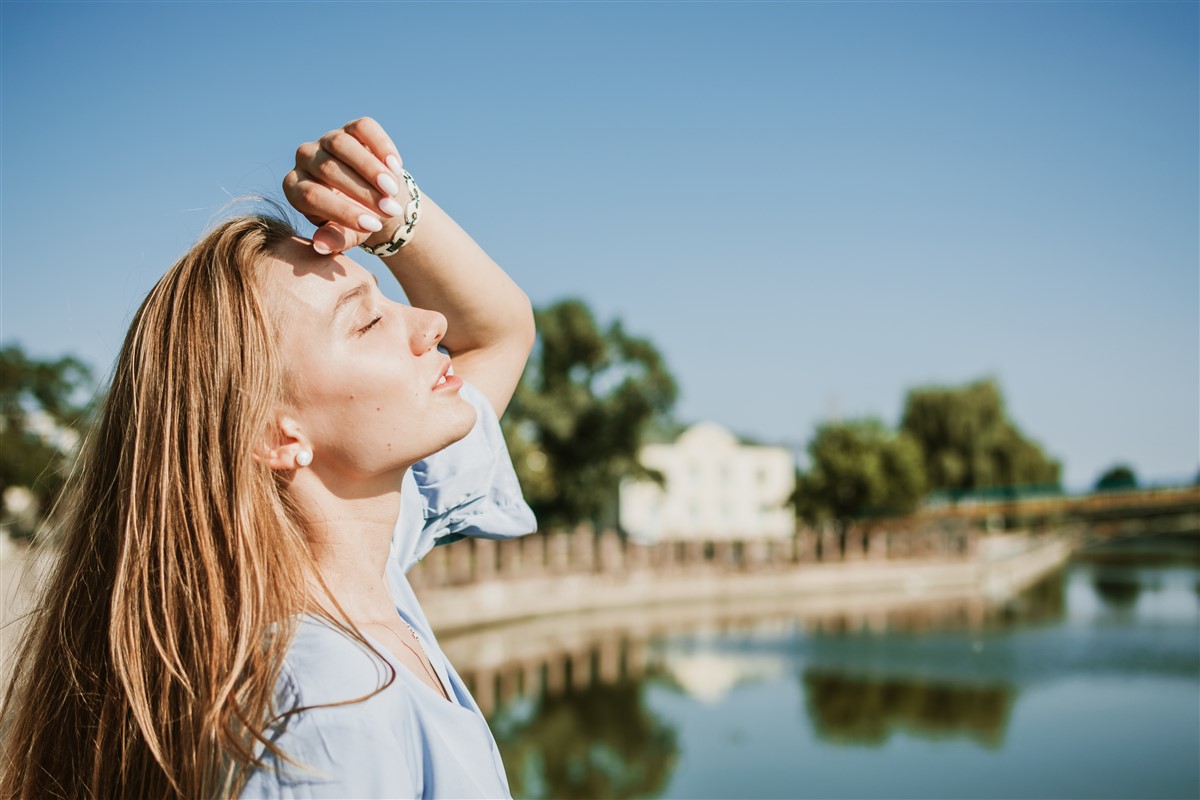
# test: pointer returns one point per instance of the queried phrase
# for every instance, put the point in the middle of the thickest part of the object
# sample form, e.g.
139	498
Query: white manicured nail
393	164
388	184
390	207
369	223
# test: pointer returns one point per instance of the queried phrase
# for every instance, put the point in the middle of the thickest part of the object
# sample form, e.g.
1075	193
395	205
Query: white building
716	488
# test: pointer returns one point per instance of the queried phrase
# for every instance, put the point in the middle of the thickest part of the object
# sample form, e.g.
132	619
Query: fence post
637	556
805	546
829	545
877	545
757	553
583	549
485	559
853	544
612	553
511	564
460	562
558	547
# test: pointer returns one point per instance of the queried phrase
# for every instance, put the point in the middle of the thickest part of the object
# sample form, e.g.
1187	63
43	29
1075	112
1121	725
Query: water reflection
870	710
626	750
1085	684
1119	591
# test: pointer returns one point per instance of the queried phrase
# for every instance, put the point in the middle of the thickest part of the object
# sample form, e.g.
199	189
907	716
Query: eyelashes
369	325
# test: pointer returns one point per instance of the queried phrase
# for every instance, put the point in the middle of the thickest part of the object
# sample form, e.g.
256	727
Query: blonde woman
279	444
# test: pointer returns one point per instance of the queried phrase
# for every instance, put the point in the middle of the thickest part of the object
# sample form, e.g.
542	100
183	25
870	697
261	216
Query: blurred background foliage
1118	478
859	467
951	442
590	396
969	443
42	421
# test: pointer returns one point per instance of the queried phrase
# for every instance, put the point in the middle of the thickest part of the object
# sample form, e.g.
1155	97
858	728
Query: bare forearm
490	328
443	269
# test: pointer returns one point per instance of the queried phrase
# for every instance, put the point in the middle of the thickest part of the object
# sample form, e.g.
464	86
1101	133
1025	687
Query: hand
346	184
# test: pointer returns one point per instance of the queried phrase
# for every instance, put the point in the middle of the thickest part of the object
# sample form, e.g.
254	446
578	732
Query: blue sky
809	207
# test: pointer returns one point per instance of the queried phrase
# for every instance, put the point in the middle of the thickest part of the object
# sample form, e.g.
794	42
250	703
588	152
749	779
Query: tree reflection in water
1118	592
869	710
599	741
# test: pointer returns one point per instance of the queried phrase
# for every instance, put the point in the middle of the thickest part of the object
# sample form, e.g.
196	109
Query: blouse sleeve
470	488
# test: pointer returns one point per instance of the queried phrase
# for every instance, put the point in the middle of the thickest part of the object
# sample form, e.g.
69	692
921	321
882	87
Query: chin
465	422
457	427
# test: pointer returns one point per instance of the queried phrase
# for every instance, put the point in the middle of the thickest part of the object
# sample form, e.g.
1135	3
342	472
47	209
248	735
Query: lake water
1087	685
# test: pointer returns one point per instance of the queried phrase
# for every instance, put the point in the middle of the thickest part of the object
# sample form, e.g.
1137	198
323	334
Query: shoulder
324	665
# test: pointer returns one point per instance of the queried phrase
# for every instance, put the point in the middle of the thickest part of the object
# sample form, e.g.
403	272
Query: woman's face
363	368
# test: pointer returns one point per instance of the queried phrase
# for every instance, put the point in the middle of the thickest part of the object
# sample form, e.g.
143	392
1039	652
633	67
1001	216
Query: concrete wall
585	573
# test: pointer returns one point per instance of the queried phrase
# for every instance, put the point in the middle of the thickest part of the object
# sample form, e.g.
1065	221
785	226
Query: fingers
343	222
345	182
355	159
376	142
334	238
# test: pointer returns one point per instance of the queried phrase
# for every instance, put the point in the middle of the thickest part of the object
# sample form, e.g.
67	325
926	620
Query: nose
426	328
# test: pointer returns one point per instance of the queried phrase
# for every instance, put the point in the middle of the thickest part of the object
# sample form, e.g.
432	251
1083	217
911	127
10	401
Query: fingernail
393	164
369	223
321	248
390	207
388	183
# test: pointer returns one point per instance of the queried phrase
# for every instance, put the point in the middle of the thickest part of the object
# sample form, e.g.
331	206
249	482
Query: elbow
527	325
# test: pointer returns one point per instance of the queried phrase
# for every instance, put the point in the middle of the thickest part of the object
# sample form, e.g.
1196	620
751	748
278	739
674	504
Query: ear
281	448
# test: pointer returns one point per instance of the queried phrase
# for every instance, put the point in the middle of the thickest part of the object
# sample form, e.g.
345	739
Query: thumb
335	238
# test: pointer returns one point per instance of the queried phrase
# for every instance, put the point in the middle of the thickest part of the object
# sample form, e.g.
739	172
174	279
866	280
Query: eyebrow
358	290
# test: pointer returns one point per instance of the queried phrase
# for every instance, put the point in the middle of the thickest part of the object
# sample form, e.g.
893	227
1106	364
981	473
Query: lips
446	375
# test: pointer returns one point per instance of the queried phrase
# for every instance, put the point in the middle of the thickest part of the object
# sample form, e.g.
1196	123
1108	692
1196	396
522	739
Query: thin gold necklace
421	661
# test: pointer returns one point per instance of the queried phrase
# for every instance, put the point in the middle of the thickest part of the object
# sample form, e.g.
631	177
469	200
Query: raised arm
347	184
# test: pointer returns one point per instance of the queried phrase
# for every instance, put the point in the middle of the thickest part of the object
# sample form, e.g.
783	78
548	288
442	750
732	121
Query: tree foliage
586	400
41	419
969	443
1120	476
858	468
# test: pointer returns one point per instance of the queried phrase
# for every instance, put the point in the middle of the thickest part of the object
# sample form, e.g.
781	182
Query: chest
409	651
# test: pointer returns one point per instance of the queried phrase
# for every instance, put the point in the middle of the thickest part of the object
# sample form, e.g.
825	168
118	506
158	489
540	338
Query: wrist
385	234
399	230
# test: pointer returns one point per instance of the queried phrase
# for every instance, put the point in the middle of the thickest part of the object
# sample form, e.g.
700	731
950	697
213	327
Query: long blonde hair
149	667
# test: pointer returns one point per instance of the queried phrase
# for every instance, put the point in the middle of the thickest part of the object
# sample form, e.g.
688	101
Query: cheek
395	423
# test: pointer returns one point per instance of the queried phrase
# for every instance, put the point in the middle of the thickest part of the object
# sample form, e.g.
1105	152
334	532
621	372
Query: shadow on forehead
303	260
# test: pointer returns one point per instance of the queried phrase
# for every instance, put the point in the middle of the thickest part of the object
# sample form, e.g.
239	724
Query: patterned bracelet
405	232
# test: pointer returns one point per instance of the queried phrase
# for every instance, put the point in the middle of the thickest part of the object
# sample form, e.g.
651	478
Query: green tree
969	443
1120	476
586	401
41	420
858	468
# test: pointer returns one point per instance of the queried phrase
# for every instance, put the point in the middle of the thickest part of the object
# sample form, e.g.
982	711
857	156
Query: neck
350	534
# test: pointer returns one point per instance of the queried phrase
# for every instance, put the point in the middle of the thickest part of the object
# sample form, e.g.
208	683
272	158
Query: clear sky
809	207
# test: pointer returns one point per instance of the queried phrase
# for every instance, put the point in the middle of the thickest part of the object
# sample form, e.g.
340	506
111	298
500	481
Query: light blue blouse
406	741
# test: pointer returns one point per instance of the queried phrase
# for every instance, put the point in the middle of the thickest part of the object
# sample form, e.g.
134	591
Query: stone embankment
481	582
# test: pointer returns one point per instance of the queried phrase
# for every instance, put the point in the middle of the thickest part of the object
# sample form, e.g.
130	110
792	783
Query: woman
279	445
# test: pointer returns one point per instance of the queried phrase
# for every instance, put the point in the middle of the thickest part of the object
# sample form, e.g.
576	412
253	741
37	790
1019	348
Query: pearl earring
304	458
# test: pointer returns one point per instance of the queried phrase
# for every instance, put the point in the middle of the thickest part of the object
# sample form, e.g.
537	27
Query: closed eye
369	325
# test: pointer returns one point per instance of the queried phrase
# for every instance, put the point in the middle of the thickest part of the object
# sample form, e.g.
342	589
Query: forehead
296	274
